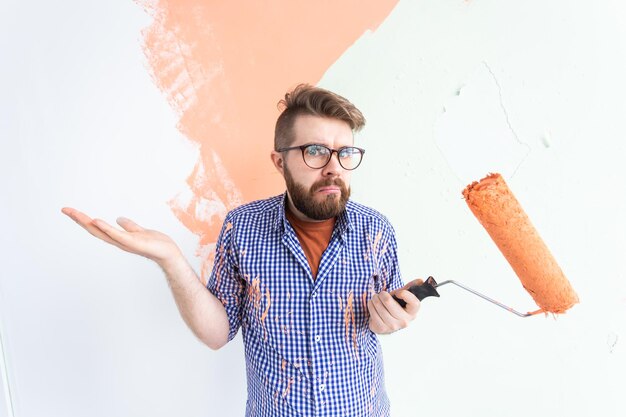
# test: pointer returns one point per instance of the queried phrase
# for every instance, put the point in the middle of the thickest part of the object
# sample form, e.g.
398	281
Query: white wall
93	331
559	67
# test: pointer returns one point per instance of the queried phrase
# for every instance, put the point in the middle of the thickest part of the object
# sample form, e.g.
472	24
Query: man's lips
329	190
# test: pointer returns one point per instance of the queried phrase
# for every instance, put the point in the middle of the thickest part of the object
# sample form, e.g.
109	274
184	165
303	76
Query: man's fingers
77	216
379	324
129	225
87	223
97	228
397	312
118	236
375	322
387	308
412	302
380	310
95	231
386	315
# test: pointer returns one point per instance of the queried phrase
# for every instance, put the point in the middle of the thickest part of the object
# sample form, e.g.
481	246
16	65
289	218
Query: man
308	275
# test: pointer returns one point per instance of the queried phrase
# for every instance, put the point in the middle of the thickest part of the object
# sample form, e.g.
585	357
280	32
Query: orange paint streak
354	336
384	278
286	391
379	235
346	316
255	295
349	322
268	303
375	251
373	246
223	66
218	277
364	302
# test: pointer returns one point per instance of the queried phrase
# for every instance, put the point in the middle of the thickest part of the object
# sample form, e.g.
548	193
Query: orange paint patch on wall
223	67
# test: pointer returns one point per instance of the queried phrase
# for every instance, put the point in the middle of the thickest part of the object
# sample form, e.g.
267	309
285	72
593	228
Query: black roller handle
427	289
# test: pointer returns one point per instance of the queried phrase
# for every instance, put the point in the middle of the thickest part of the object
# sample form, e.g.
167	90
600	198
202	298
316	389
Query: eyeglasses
318	156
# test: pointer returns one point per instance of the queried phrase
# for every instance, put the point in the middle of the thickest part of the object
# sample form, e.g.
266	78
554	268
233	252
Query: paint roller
497	209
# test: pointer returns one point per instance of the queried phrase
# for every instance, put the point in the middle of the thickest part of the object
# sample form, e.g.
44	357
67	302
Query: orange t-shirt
313	237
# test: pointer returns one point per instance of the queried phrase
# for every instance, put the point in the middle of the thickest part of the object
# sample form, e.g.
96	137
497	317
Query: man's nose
333	168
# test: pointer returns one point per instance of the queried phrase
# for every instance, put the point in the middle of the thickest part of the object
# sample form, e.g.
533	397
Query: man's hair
309	100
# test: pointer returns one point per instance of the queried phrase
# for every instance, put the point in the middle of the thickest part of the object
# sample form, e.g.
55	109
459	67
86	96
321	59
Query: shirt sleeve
224	281
390	267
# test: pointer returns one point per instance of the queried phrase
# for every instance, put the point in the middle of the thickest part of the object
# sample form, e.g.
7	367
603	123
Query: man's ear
278	161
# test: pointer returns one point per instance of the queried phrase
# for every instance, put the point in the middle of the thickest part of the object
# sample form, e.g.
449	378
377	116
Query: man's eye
346	153
349	153
316	150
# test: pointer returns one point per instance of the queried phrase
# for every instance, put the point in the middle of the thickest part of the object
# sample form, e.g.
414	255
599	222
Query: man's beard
305	201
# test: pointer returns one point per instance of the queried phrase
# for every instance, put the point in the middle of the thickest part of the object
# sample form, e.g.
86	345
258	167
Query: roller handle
427	289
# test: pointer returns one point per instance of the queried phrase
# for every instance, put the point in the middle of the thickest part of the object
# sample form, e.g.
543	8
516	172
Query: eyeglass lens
317	156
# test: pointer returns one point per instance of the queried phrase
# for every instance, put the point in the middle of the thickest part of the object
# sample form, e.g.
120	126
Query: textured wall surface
452	90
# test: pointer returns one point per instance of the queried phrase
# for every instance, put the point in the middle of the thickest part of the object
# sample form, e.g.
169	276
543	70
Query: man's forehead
322	130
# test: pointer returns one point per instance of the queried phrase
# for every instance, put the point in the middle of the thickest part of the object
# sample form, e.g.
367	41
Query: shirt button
318	338
322	387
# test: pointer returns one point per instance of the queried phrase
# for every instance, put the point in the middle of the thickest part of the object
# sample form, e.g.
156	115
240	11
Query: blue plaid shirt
308	347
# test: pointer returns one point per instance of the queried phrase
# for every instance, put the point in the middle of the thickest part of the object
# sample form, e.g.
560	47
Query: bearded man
307	275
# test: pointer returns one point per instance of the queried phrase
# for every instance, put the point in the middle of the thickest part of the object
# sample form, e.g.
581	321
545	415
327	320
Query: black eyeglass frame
330	156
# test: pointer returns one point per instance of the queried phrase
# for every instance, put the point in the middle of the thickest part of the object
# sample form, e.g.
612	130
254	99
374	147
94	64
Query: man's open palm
134	239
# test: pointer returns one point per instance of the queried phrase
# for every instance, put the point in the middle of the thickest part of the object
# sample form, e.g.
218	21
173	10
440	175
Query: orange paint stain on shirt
364	302
289	383
254	292
218	275
350	324
374	252
383	278
255	295
373	246
268	304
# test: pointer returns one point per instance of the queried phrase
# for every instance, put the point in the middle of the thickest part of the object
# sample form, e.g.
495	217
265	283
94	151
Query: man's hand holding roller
386	315
200	309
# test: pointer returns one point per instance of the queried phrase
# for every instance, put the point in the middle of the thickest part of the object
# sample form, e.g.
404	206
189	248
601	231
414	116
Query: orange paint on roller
497	209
